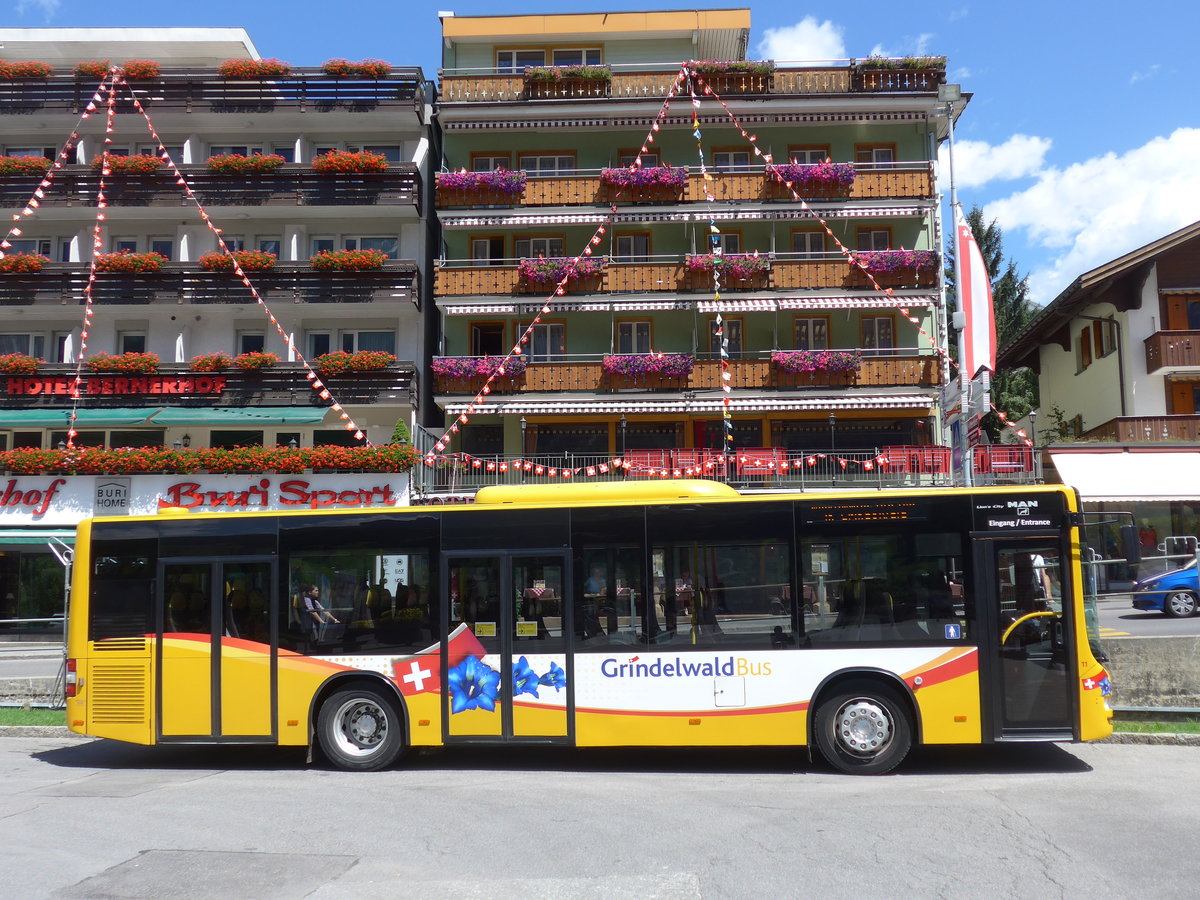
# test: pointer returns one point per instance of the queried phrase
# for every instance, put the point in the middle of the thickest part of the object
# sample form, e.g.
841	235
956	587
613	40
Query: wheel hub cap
863	727
364	726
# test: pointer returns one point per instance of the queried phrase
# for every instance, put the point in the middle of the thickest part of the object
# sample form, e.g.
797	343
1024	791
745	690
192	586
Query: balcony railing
61	283
1172	348
175	384
459	277
289	185
202	90
1146	429
907	180
645	81
900	368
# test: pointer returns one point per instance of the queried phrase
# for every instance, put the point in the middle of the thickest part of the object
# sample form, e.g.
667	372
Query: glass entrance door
1032	638
505	654
216	663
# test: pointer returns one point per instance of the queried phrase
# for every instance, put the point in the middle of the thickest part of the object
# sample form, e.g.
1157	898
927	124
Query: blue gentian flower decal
525	680
555	678
473	685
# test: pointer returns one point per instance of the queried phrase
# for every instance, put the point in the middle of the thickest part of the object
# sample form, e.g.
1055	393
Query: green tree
1013	390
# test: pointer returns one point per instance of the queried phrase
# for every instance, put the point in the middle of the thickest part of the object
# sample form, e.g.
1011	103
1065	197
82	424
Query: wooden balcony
289	185
1171	349
63	283
202	90
754	374
1146	429
176	385
906	181
671	276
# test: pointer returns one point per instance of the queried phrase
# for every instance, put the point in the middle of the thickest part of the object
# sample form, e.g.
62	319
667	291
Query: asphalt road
88	819
1119	618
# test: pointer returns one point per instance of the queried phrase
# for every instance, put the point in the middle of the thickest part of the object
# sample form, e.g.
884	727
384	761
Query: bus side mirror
1131	545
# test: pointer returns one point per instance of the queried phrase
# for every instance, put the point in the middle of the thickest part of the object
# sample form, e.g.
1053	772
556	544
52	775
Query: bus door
216	664
1026	587
505	651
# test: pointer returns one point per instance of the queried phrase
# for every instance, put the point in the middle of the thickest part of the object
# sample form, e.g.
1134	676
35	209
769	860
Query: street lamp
187	440
177	444
524	430
624	425
1033	427
833	445
292	445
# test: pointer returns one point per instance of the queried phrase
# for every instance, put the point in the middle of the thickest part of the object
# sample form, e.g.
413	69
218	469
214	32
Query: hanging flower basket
19	364
249	260
339	362
642	365
251	69
139	164
22	263
236	164
24	165
541	273
125	364
126	262
255	361
743	270
140	69
210	362
823	179
26	70
368	68
92	70
644	182
348	260
342	162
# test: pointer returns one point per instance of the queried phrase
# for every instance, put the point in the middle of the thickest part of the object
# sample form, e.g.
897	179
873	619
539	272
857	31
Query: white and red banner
975	300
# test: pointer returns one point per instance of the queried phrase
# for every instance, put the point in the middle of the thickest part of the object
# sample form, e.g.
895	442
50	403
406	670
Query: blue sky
1082	140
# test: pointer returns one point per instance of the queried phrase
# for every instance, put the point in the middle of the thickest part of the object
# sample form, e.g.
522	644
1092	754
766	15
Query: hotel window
487	251
810	333
875	154
547	164
354	341
131	342
728	241
873	239
532	248
731	160
30	245
547	342
585	56
487	339
319	343
239	149
732	329
1104	337
176	152
633	337
809	155
632	247
30	344
47	152
877	334
251	341
163	245
487	162
808	243
287	151
234	242
270	245
59	342
124	245
519	60
626	157
393	153
388	244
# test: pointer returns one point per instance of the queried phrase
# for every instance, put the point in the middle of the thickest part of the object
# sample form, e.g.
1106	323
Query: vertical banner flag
975	300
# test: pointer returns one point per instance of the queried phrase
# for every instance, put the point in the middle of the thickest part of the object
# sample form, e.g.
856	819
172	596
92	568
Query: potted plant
92	69
140	69
138	164
251	69
248	260
25	70
236	164
493	187
644	182
22	263
736	76
348	260
125	364
567	81
126	262
823	179
255	361
367	68
210	362
19	364
745	270
339	362
24	165
342	162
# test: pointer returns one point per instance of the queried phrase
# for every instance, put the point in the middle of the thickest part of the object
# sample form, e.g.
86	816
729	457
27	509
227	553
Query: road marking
1112	632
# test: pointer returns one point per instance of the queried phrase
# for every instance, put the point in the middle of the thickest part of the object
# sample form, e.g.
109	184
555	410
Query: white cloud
48	7
1148	73
1096	210
977	162
808	39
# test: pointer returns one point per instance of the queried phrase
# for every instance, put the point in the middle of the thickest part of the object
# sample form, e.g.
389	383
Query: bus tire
863	728
360	729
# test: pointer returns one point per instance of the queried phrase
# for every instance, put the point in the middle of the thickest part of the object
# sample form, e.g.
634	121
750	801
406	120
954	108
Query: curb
1163	739
54	731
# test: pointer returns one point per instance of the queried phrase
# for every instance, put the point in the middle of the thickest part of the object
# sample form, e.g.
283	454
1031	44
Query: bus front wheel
863	729
360	730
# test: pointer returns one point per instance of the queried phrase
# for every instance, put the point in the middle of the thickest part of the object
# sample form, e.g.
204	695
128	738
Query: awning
701	406
25	536
283	415
51	418
1131	475
871	301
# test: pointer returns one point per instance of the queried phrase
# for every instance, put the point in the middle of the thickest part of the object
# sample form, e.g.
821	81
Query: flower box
22	263
139	164
553	82
894	268
255	361
24	165
496	187
236	164
92	69
476	368
741	271
827	368
25	70
248	260
741	76
544	272
348	260
19	364
339	362
912	73
645	183
210	362
125	364
637	368
342	162
824	179
140	69
367	68
251	69
126	262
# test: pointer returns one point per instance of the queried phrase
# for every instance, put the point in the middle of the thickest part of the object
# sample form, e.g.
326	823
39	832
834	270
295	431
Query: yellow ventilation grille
120	645
118	693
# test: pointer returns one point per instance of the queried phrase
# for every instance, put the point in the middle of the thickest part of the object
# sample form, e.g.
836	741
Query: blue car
1173	593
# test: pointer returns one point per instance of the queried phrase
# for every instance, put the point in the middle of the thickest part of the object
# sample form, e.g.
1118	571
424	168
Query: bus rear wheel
360	730
863	729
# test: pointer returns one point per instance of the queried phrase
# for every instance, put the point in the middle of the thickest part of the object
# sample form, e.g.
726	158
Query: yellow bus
651	614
